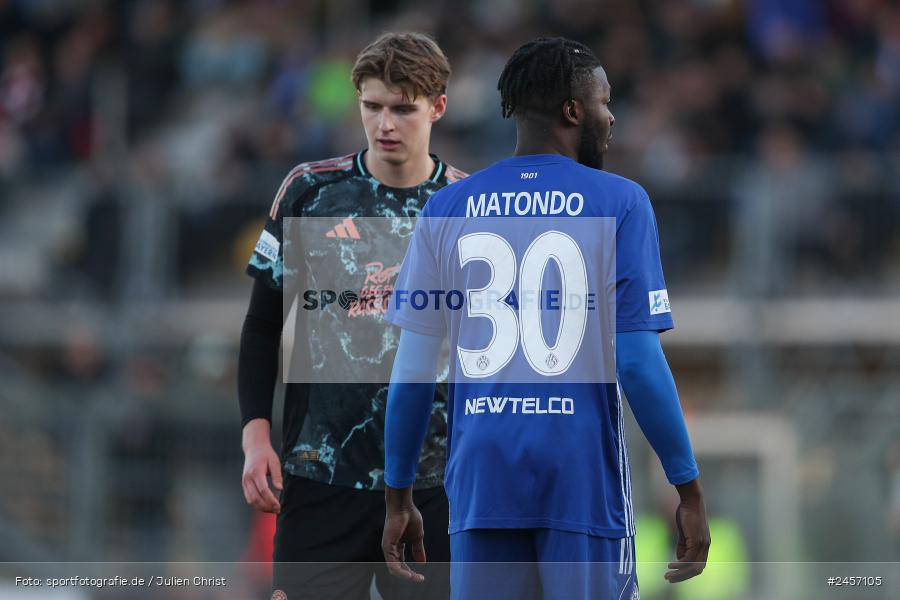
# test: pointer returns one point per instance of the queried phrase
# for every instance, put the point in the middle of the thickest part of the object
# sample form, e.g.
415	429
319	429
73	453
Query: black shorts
328	544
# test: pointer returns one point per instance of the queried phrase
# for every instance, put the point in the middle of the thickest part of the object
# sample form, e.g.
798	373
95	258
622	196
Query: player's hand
693	534
260	462
402	525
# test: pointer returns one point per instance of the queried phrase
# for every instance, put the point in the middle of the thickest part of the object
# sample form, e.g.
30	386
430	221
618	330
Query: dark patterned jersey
334	432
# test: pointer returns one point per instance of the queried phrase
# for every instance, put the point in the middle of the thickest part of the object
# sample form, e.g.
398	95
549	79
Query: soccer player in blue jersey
537	467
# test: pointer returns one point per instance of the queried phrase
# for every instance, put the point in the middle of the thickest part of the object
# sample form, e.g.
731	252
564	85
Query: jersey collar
436	174
536	159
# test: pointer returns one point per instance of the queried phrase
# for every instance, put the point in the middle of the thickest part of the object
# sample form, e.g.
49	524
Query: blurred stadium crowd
213	101
141	143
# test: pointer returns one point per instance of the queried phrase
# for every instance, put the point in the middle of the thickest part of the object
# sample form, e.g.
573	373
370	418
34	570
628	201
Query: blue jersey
529	267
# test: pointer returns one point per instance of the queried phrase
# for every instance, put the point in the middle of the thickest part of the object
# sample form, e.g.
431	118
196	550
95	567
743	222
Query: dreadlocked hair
543	73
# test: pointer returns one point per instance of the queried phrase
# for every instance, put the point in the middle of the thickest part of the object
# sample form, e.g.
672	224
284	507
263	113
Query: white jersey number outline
508	328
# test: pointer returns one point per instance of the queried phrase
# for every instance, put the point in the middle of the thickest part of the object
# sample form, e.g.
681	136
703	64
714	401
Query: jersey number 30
508	327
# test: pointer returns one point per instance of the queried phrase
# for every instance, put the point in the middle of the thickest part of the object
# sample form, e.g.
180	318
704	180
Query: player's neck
544	148
541	141
408	174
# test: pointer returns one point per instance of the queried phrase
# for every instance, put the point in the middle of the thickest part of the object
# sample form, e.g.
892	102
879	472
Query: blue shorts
534	564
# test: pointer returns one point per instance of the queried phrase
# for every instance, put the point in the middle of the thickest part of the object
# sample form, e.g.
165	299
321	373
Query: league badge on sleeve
659	302
268	246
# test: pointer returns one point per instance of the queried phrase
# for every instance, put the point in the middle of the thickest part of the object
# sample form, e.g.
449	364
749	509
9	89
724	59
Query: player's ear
438	107
571	112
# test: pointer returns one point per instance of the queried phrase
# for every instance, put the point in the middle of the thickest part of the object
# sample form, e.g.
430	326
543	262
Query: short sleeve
642	301
413	304
267	261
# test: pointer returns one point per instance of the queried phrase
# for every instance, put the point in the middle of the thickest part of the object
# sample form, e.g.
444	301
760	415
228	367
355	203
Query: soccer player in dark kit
330	471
